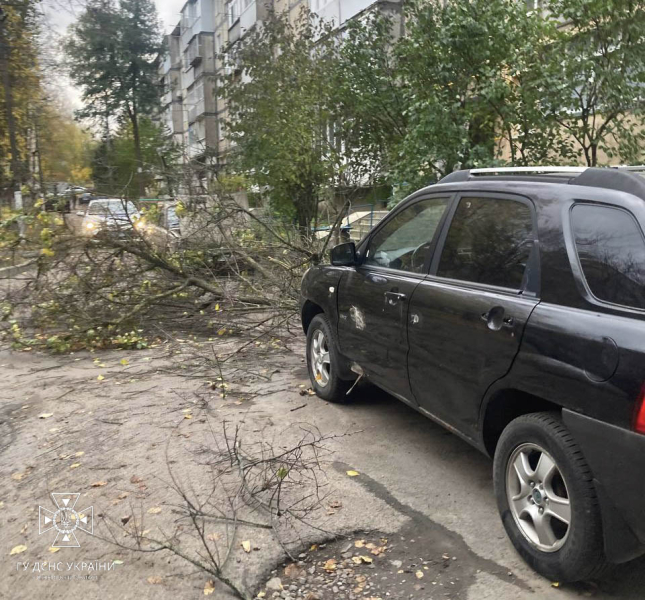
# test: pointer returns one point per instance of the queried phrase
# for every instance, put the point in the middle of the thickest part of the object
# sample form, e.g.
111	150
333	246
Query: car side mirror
343	255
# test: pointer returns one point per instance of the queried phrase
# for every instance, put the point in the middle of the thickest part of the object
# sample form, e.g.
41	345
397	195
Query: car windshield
112	207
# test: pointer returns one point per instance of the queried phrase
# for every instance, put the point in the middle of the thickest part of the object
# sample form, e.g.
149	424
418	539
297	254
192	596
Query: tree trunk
137	152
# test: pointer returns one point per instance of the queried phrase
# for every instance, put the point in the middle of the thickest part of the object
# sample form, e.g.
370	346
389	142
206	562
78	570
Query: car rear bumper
616	457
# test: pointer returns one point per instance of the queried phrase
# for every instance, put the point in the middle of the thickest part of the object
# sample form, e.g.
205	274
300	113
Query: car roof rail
617	177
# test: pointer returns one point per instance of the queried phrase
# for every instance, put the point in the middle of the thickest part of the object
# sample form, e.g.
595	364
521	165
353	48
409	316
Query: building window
233	11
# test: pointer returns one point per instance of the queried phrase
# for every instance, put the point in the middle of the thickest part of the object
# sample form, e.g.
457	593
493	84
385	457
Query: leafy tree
115	164
593	76
65	148
20	81
280	114
111	52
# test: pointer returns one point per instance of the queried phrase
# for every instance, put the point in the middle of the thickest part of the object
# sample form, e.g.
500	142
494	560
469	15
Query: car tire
540	473
323	362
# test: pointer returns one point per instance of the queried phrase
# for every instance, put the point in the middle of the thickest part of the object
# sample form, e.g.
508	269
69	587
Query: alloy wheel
320	361
538	497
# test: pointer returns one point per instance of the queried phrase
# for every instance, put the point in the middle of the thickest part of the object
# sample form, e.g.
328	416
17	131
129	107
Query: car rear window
489	241
611	250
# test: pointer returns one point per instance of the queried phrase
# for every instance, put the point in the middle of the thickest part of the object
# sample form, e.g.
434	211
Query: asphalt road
443	484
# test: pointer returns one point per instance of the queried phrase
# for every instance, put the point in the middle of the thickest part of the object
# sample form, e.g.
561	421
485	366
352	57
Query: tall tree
280	115
592	78
111	51
20	83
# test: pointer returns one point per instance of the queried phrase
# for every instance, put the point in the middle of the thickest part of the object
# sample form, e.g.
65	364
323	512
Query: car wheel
547	499
323	361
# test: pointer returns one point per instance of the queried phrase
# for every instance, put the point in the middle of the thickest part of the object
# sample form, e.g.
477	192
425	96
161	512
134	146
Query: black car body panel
464	352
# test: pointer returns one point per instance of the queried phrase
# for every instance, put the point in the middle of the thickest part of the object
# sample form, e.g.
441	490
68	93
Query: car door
468	315
373	298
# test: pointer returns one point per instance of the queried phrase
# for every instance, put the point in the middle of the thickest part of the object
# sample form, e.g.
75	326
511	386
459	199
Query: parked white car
111	214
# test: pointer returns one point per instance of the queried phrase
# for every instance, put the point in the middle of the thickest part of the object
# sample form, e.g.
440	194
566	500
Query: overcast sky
61	13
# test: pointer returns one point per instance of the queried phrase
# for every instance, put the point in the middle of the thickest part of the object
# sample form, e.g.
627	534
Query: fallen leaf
125	361
188	416
79	453
52	550
135	479
45	415
75	466
330	565
555	584
356	560
366	559
18	476
100	378
293	571
378	551
359	543
155	580
419	574
117	562
17	550
54	430
335	504
155	510
353	473
313	548
99	483
209	588
122	495
213	537
246	545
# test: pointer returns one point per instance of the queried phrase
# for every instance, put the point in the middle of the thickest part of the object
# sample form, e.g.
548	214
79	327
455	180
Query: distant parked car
509	306
111	214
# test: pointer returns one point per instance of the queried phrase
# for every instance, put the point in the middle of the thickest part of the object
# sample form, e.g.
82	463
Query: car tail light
639	415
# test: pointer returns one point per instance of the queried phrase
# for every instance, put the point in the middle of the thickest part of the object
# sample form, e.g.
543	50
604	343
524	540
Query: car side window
404	240
489	241
611	250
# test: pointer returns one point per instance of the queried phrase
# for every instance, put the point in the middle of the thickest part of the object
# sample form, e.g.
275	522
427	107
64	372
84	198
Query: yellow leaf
353	473
356	560
17	550
366	559
79	453
75	466
419	574
359	543
246	545
313	548
188	416
52	550
330	565
155	580
209	588
217	307
155	510
222	331
125	361
100	378
555	584
45	415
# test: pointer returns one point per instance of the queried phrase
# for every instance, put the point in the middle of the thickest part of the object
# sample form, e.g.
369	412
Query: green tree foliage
593	71
65	148
111	52
279	114
19	91
115	162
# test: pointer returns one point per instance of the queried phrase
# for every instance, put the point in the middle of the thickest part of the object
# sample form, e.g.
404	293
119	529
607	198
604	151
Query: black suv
509	306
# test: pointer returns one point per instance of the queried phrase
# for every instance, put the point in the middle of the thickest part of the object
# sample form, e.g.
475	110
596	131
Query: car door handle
495	319
394	297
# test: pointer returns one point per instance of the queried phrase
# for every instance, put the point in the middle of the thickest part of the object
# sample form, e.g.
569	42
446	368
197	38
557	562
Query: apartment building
199	52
